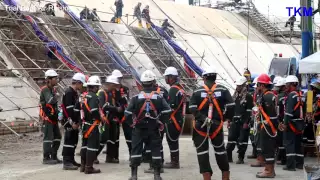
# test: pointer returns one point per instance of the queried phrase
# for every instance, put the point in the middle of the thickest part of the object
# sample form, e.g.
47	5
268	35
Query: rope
167	131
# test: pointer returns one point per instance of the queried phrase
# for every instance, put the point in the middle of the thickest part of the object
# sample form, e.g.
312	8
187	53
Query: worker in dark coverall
280	88
90	128
308	134
49	114
177	102
253	91
122	100
150	111
267	103
256	129
137	14
239	126
108	112
146	16
207	104
119	6
166	27
71	121
293	125
146	155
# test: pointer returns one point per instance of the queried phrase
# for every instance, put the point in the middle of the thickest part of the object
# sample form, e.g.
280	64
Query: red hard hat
264	79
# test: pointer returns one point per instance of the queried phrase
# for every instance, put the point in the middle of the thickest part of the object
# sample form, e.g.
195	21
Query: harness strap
266	117
95	123
147	100
212	102
298	105
182	102
44	116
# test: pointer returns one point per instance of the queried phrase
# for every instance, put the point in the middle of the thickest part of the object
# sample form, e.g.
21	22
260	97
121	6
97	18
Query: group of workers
274	112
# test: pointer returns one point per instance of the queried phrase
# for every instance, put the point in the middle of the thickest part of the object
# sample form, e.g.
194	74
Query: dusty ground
20	159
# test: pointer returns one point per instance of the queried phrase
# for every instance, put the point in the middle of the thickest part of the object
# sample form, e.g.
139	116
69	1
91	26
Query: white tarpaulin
310	64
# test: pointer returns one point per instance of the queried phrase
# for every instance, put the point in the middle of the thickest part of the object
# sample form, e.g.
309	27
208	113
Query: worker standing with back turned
293	125
177	102
149	110
49	114
267	103
207	105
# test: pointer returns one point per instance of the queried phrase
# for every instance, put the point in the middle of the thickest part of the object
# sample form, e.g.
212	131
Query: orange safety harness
181	104
212	102
266	117
95	123
147	105
43	115
298	105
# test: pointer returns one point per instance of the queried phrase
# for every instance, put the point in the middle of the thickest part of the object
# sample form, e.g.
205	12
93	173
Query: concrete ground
20	159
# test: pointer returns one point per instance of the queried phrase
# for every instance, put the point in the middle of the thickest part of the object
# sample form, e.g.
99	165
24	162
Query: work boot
259	162
91	170
67	164
74	162
89	165
48	160
112	160
288	169
55	157
134	173
268	172
174	164
240	161
206	176
157	174
299	166
151	170
225	175
83	165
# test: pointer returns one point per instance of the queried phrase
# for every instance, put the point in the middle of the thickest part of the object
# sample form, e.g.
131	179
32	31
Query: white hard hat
209	70
50	73
79	77
116	73
276	79
240	80
147	76
281	82
292	79
94	81
171	71
112	79
255	80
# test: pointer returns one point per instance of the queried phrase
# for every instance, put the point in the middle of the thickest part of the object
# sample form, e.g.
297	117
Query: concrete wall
14	92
